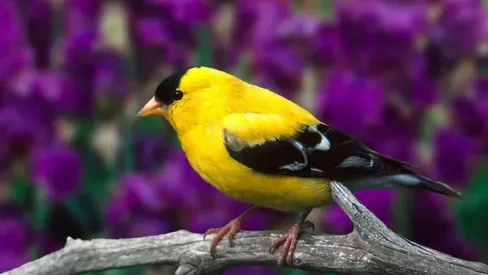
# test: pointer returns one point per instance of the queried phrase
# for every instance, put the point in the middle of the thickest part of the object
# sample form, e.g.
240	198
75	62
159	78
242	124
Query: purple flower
39	20
481	99
258	21
470	114
152	31
164	32
207	218
136	209
157	44
183	189
395	135
188	12
78	67
455	156
245	17
149	152
280	61
279	68
111	78
275	38
77	96
380	202
148	224
166	29
15	237
15	52
424	92
261	219
221	213
93	79
81	15
467	117
43	85
461	27
25	122
173	199
415	86
351	102
326	48
28	115
77	51
20	133
182	186
300	30
379	36
57	170
11	22
280	55
433	226
136	191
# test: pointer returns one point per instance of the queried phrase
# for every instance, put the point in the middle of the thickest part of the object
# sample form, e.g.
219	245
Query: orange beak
152	108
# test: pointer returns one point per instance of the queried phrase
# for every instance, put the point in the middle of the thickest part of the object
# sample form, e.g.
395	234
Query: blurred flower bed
406	77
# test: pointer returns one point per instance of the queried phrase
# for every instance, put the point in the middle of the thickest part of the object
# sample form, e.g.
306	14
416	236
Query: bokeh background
408	77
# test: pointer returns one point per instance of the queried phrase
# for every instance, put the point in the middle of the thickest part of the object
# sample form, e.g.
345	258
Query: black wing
323	151
316	151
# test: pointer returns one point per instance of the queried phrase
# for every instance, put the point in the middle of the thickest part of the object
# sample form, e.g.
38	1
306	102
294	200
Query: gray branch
370	249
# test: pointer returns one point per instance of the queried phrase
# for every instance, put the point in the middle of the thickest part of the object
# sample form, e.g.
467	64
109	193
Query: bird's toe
211	231
289	241
230	230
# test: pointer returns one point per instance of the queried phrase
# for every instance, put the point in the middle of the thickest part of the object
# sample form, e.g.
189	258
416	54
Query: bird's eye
177	95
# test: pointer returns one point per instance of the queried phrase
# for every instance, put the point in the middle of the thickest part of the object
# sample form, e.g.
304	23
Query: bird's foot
289	241
231	229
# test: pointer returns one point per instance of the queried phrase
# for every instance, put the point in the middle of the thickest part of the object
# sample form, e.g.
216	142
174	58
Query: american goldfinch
260	148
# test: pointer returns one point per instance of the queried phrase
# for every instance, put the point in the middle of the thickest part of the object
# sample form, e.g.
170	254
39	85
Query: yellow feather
258	128
215	100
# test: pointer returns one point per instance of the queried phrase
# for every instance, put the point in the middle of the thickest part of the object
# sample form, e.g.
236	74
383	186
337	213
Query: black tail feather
403	174
407	180
438	187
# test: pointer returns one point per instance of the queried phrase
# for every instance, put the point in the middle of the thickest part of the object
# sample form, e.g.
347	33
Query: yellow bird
260	148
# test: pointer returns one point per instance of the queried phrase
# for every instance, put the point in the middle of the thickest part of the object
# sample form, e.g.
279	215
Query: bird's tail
403	174
437	186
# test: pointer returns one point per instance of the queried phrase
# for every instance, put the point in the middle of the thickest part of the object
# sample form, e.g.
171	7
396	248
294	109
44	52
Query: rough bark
370	249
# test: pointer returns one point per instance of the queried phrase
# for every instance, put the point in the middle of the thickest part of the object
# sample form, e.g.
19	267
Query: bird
260	148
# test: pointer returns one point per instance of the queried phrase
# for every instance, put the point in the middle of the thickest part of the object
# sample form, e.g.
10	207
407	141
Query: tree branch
370	249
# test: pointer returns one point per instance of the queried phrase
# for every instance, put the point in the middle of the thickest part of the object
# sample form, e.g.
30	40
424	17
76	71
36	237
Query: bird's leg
290	239
231	229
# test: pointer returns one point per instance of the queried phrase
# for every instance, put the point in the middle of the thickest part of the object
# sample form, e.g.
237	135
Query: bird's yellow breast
207	155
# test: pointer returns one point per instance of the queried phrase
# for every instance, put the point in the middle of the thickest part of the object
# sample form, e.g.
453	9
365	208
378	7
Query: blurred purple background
407	77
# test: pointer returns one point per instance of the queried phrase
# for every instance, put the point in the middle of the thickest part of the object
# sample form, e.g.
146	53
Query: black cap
165	89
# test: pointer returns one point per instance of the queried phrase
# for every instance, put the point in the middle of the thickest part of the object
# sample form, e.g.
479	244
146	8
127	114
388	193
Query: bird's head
194	96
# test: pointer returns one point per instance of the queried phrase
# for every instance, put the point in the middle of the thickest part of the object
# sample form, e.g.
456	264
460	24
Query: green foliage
204	53
126	150
40	210
428	126
149	125
33	203
84	211
472	208
403	208
244	70
20	191
123	271
96	173
86	206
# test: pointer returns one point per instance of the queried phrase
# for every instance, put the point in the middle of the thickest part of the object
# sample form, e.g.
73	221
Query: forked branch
370	249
